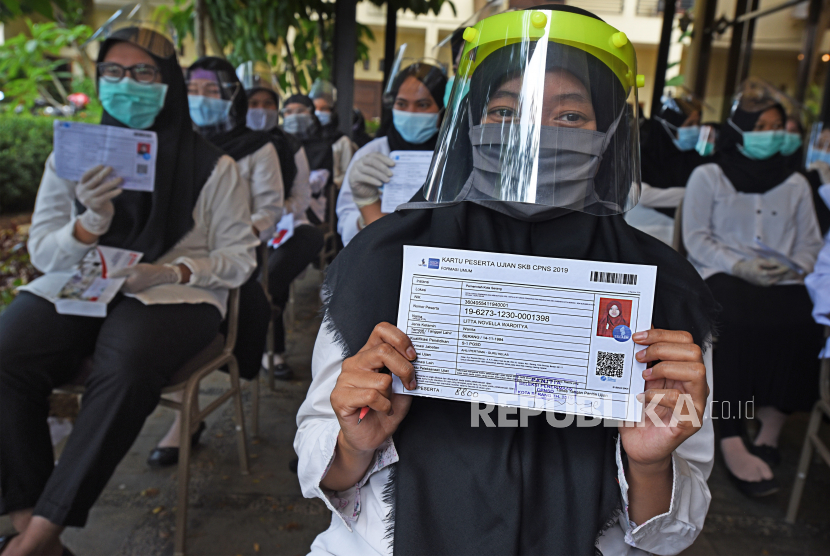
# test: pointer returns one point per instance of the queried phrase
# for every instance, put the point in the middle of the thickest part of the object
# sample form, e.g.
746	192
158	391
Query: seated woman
218	107
416	100
668	157
324	95
414	477
738	211
194	230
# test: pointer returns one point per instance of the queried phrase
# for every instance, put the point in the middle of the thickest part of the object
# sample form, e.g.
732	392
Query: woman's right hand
96	193
367	175
361	384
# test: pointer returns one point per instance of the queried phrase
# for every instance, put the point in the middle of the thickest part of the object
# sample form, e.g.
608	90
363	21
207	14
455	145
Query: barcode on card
141	169
614	278
610	364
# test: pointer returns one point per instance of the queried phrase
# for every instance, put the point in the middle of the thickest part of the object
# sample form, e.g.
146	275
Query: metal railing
599	6
653	8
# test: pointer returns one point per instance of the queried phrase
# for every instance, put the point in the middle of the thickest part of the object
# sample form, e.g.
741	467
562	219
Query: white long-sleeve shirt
818	283
357	525
720	224
299	198
347	212
219	250
261	169
343	150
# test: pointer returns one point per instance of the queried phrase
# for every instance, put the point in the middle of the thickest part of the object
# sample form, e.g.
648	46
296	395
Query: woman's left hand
677	385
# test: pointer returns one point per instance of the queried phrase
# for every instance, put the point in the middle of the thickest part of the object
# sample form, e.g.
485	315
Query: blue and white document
409	174
77	147
533	332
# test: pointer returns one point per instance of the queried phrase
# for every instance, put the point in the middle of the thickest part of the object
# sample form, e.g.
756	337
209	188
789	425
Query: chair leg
269	343
233	368
804	464
188	402
255	409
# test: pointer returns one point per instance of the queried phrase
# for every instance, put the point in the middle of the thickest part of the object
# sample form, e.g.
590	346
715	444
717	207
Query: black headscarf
436	82
233	137
662	164
153	223
317	148
530	490
747	175
359	134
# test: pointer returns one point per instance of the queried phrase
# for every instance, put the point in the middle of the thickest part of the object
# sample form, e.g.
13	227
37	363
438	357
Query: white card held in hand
534	332
131	153
410	173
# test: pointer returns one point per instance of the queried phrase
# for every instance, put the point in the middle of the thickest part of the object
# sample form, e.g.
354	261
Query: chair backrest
677	236
233	321
824	377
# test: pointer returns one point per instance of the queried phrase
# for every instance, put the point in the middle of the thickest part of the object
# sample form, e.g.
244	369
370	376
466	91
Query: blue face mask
134	104
415	127
705	148
208	111
324	117
819	156
686	136
792	141
759	145
448	90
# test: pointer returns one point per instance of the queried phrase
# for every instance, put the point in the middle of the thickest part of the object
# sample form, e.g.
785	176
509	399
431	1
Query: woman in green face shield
536	156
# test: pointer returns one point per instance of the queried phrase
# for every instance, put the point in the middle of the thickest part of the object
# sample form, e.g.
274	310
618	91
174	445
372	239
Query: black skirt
767	345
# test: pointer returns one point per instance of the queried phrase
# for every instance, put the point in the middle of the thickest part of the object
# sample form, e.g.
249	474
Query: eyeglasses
143	73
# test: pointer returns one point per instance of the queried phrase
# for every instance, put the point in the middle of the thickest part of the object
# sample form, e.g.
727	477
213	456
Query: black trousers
254	316
767	350
285	264
134	351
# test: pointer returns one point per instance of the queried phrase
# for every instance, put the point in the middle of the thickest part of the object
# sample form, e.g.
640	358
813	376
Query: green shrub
25	143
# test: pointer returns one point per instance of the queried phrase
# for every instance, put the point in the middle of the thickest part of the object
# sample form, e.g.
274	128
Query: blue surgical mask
820	156
686	136
262	119
759	145
324	117
208	111
297	124
792	142
415	127
134	104
705	148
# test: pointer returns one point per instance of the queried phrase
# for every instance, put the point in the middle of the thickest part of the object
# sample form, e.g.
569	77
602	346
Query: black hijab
662	164
317	147
747	175
529	490
153	223
436	82
233	137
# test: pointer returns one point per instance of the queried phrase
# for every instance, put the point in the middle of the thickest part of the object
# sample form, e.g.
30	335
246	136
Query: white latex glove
144	275
96	195
759	271
367	175
822	168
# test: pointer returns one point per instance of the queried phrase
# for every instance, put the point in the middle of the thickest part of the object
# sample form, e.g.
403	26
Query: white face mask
297	124
262	119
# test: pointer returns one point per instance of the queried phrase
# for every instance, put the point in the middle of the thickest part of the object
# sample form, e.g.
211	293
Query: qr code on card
610	364
141	169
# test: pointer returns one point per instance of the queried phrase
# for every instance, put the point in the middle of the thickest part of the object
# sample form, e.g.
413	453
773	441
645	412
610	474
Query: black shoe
283	372
770	455
67	552
4	541
292	465
165	457
755	489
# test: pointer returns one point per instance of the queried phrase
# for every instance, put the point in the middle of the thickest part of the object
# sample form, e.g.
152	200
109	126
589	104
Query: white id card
131	152
410	173
534	332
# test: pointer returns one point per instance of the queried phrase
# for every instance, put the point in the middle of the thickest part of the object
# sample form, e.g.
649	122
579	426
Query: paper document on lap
549	334
131	152
410	173
90	288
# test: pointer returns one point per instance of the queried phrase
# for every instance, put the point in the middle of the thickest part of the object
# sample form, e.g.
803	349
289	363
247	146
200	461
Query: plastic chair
812	440
187	380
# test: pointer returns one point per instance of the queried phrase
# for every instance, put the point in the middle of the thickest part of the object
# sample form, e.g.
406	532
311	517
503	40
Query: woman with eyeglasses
414	109
194	230
218	106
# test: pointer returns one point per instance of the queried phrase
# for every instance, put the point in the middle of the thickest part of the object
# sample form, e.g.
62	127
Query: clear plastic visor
256	75
539	122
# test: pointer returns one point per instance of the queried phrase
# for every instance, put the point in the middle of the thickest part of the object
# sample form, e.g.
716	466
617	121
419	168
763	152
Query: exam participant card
409	174
77	147
542	333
